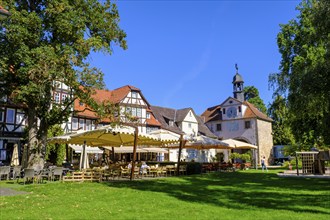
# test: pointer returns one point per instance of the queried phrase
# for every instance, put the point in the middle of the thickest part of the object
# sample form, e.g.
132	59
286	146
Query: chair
4	171
124	172
17	172
45	174
57	172
29	174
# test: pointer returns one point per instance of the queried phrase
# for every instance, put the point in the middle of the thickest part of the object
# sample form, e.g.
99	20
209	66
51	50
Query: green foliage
245	157
55	149
305	72
251	94
279	112
44	42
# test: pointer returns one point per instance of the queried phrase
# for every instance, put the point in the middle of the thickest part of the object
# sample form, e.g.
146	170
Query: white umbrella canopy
14	159
239	144
113	136
204	142
165	136
126	149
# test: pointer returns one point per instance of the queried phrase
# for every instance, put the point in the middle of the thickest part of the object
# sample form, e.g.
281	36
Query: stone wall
265	140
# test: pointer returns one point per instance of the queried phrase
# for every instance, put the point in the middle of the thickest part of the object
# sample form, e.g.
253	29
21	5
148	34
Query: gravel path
10	192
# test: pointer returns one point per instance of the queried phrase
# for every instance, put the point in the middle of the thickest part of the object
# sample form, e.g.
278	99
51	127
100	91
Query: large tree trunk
36	158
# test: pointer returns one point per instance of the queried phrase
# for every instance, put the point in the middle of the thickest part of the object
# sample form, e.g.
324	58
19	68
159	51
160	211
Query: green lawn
241	195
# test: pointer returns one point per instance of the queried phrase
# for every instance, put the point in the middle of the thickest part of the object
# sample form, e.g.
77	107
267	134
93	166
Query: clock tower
238	86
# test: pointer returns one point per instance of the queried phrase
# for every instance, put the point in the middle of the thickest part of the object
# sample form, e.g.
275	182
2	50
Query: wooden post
179	156
134	152
297	164
67	152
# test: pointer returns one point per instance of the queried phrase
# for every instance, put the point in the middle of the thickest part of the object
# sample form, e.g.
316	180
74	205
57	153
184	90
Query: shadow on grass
243	190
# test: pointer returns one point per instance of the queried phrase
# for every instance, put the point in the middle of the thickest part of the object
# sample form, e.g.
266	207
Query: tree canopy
251	94
44	42
304	78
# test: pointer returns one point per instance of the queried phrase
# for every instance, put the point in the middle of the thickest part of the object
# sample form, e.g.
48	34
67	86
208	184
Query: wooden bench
80	176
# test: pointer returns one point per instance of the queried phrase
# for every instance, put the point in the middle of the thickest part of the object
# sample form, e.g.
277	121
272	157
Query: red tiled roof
212	114
253	112
152	120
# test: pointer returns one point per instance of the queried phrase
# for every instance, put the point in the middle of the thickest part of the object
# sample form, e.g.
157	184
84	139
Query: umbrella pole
134	152
82	162
179	156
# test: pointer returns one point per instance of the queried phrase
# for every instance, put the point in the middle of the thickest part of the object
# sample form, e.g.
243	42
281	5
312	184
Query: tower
238	86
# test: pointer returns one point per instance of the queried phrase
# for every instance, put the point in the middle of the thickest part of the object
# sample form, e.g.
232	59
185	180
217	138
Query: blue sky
183	53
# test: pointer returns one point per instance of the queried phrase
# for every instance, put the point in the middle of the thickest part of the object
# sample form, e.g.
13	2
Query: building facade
184	121
238	119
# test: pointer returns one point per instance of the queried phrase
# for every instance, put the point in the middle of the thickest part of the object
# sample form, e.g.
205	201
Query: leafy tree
44	42
278	111
251	94
304	76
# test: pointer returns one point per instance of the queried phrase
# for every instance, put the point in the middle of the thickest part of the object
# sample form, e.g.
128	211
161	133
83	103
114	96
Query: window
10	115
128	110
189	125
148	115
171	123
74	123
219	128
247	124
81	103
133	111
239	109
57	97
64	96
88	125
134	94
82	124
139	112
224	111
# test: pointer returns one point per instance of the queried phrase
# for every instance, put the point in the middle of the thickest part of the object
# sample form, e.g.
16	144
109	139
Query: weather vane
236	67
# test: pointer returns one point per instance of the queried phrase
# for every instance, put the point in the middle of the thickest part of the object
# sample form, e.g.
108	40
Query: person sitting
144	168
129	166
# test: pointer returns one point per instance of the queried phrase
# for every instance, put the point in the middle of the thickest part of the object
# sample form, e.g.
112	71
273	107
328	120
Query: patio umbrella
239	144
165	136
113	136
129	149
203	142
14	159
84	163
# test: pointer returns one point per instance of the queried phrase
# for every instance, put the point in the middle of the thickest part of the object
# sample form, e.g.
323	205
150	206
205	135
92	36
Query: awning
89	150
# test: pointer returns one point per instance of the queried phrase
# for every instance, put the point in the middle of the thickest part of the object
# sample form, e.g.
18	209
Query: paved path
10	192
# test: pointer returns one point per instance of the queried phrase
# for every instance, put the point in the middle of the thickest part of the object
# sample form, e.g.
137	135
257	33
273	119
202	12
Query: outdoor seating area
122	172
30	175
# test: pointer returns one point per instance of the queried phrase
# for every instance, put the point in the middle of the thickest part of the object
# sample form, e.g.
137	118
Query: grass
241	195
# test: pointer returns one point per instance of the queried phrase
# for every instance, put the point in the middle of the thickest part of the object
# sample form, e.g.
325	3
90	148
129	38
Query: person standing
263	164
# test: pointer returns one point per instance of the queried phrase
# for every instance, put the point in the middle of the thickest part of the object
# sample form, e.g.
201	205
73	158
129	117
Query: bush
194	168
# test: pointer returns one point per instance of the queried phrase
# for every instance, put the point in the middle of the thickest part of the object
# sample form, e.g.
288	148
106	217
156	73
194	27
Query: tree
282	133
304	77
251	94
44	42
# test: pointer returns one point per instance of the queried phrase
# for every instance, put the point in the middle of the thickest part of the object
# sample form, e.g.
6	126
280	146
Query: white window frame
57	97
13	116
88	125
81	124
148	115
74	124
64	96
